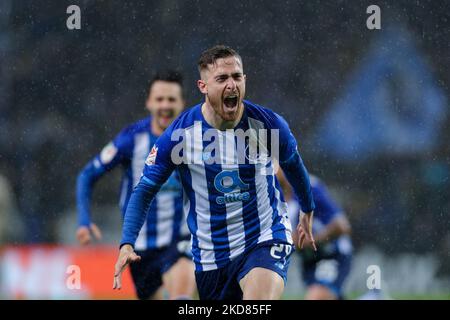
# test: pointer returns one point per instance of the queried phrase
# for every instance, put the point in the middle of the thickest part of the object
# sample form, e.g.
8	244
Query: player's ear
202	86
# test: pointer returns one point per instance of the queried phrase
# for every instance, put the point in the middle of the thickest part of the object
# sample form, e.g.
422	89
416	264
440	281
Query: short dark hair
168	75
210	55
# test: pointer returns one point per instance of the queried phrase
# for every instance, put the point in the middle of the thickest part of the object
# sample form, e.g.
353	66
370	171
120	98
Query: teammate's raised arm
110	156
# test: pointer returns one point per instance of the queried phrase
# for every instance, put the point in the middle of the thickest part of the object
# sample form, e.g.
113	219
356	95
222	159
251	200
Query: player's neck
156	129
216	121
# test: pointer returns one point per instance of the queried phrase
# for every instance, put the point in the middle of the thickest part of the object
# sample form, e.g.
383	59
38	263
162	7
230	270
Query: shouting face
165	102
223	83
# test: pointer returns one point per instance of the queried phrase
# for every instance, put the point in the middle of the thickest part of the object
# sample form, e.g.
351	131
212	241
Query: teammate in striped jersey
162	241
224	150
324	271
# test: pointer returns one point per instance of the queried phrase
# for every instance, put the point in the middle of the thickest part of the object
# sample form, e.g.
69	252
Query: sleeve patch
108	153
152	156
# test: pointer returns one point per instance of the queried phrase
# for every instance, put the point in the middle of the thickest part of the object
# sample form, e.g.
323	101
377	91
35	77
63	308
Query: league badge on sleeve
108	153
152	156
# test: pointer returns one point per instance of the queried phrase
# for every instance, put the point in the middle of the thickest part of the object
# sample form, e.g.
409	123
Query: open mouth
166	114
231	101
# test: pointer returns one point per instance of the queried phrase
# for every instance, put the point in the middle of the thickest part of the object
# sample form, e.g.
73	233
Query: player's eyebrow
221	76
224	75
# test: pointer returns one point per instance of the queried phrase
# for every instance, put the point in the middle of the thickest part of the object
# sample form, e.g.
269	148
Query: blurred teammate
325	270
241	232
162	240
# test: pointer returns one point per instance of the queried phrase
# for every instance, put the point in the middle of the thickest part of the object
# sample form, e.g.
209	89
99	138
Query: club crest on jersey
108	153
152	156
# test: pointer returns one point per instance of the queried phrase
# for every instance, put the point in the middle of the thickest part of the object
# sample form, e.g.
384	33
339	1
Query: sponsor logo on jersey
230	184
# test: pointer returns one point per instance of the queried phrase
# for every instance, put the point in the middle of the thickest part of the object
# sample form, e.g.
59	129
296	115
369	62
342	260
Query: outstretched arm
158	168
137	209
85	184
135	216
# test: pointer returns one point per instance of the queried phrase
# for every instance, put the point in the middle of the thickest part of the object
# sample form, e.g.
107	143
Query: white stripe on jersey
141	241
140	152
164	227
294	211
265	211
200	188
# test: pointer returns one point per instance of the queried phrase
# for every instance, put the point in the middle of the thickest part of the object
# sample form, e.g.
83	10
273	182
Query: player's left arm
297	175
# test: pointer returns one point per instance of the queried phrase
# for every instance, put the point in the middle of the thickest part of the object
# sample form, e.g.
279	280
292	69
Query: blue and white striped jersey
232	202
130	149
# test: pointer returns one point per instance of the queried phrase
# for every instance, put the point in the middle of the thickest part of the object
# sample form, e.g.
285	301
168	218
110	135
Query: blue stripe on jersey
278	228
153	214
273	200
127	185
177	218
152	222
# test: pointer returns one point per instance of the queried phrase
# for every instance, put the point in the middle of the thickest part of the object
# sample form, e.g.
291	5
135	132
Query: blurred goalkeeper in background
163	242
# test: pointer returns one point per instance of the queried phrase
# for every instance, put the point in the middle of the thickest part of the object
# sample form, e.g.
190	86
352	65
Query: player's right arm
111	155
158	168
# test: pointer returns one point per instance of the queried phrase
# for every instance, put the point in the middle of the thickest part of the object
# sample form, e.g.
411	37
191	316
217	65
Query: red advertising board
61	272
